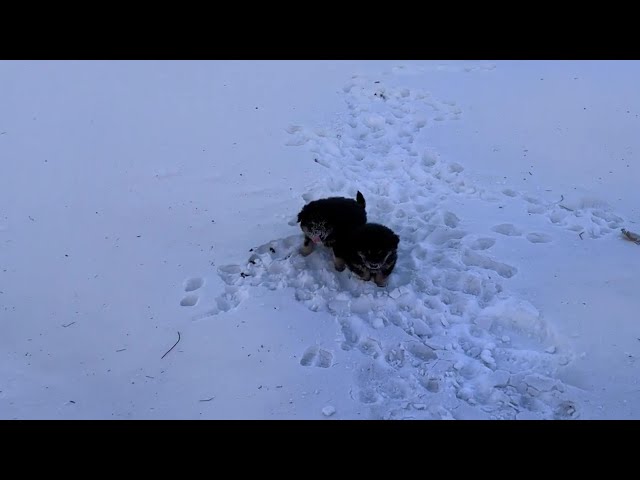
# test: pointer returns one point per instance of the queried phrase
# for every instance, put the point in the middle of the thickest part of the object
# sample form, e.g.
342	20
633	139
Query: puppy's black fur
326	220
370	251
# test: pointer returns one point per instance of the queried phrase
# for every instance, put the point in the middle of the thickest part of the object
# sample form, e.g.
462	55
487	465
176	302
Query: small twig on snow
171	347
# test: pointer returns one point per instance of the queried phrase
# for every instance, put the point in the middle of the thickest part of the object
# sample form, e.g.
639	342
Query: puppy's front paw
366	275
381	280
339	264
306	249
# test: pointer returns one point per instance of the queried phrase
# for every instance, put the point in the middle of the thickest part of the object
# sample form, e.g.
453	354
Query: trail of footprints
191	286
443	339
441	350
229	299
586	217
316	357
510	230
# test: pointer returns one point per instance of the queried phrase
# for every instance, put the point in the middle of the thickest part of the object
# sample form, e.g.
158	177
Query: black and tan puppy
370	251
326	220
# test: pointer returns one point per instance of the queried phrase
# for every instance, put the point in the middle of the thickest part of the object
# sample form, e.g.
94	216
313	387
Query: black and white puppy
326	220
370	251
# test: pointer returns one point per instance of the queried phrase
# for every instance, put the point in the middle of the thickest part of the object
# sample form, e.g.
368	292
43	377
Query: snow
328	411
149	263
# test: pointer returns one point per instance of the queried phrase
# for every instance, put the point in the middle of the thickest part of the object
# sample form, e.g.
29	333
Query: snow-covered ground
146	202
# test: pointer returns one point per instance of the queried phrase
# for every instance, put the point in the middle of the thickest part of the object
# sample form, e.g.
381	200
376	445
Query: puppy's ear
360	200
301	214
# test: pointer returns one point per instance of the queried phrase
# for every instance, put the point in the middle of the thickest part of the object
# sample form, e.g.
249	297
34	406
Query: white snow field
146	202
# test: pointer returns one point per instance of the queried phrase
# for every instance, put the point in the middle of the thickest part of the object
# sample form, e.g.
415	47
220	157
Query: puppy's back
368	235
341	212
